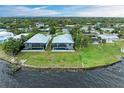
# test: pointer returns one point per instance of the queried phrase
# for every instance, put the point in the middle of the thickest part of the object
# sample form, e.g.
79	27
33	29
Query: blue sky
62	10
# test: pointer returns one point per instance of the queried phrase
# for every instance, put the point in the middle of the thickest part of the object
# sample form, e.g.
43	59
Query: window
61	45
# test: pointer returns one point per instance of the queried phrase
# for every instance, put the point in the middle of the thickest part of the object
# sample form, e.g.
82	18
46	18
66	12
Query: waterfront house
5	36
63	43
109	37
38	42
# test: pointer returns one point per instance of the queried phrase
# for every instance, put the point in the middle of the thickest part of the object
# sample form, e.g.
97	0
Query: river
112	76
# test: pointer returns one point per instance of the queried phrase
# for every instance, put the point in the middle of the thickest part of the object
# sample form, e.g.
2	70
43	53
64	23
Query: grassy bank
92	56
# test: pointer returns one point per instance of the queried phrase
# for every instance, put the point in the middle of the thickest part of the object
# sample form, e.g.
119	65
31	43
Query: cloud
67	10
102	11
27	11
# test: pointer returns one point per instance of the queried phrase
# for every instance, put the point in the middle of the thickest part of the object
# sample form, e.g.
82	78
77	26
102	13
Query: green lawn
94	55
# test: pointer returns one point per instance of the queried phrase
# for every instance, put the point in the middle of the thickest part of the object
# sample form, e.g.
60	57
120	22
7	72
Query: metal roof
65	38
6	34
109	29
106	36
19	36
39	38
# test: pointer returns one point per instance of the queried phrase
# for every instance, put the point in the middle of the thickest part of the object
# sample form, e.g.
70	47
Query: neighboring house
39	24
62	43
122	50
37	43
85	28
119	25
98	24
65	30
5	36
2	29
71	26
19	36
109	37
45	29
95	40
107	29
24	29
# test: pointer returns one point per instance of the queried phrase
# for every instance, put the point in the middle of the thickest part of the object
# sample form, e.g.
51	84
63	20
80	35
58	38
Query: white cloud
26	11
102	11
74	10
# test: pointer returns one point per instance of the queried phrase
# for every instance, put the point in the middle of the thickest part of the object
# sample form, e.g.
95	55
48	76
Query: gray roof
39	38
65	38
109	29
108	36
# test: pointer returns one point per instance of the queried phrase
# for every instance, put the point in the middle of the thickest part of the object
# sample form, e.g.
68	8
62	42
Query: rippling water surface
112	76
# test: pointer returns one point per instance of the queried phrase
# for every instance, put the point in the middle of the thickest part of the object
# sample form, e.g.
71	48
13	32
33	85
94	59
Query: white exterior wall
109	41
69	46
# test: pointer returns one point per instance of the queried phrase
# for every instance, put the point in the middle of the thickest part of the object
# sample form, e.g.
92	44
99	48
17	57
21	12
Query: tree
53	30
86	40
12	46
103	41
99	39
80	40
89	28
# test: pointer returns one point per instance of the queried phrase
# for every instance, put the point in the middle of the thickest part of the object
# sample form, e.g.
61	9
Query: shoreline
61	69
69	69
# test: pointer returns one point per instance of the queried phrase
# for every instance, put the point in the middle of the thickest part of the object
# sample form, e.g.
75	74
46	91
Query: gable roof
39	38
65	38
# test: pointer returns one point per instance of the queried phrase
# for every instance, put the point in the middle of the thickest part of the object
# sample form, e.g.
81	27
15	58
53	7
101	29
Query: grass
100	55
54	60
92	56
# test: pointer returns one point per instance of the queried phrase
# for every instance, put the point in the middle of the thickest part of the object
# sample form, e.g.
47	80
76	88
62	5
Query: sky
62	11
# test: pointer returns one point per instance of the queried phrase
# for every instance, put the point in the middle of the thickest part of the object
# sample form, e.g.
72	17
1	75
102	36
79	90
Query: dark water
112	76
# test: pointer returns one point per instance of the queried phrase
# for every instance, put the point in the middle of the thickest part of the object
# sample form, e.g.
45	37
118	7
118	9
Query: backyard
92	56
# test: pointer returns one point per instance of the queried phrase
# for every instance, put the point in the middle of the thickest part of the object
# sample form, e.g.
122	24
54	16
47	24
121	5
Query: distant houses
84	28
63	43
19	36
61	40
65	30
2	29
109	37
38	42
107	29
45	29
70	26
39	24
5	36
